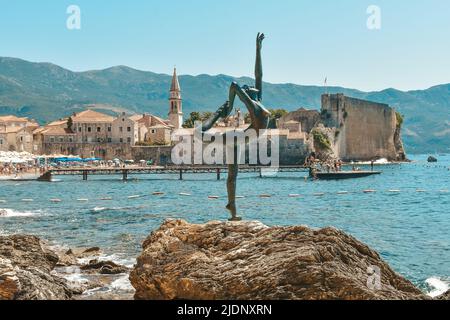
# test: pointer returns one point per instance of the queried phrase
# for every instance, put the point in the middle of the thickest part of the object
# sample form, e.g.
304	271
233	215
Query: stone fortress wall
364	130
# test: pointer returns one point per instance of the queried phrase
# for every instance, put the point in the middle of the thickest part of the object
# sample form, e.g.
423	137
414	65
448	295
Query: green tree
400	119
275	115
69	123
196	116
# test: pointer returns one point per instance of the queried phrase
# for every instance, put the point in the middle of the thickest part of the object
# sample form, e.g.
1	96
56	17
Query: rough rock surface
104	267
445	296
247	260
25	271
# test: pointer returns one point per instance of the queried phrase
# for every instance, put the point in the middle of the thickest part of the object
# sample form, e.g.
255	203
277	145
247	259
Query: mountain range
45	92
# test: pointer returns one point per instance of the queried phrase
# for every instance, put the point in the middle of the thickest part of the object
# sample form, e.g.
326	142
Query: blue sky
306	40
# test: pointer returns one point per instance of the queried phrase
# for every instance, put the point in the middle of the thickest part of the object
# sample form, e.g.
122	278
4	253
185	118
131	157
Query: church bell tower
175	103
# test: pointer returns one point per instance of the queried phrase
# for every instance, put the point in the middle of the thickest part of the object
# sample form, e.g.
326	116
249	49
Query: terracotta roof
12	118
136	117
39	130
11	129
149	120
92	116
58	122
158	120
57	131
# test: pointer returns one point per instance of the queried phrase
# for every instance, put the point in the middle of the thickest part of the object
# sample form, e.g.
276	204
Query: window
109	139
99	140
79	129
89	129
121	140
1	141
129	140
70	139
61	139
120	129
109	129
21	139
52	139
99	129
153	131
129	129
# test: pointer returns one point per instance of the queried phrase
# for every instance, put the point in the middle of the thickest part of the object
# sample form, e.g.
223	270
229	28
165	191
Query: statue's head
251	91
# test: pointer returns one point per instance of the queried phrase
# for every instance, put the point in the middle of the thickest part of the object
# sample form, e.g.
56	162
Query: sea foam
437	286
10	213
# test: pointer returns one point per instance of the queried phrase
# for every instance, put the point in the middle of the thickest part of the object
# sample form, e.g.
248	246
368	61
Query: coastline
85	278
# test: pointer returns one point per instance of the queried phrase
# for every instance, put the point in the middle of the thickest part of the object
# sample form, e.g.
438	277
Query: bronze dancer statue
259	115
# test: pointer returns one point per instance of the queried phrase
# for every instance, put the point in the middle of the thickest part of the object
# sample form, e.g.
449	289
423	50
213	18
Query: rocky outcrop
25	271
248	260
104	267
432	159
445	296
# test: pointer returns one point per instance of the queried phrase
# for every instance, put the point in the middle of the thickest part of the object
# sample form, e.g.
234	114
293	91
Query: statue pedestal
235	219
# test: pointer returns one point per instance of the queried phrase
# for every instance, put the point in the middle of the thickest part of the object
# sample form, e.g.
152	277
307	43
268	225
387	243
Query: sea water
407	219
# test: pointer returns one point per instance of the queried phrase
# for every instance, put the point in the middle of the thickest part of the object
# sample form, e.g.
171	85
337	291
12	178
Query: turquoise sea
410	227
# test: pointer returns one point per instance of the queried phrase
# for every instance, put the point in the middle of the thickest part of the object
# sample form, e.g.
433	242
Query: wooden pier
178	170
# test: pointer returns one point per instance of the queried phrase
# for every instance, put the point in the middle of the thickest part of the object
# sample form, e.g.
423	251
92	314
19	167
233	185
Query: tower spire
175	84
175	102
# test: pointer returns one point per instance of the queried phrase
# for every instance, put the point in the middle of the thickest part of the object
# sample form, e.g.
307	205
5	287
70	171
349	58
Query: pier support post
260	172
218	174
125	175
85	175
181	174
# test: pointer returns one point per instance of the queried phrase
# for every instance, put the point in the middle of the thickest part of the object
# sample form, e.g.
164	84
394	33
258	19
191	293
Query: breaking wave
10	213
101	209
437	286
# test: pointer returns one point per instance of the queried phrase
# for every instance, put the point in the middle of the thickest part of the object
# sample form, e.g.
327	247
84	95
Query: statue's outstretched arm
223	112
258	65
236	90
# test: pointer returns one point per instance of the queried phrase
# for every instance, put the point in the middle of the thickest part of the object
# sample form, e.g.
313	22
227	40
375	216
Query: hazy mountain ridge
45	91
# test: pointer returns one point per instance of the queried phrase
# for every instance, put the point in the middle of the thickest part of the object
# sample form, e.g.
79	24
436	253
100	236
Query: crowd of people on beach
7	169
328	165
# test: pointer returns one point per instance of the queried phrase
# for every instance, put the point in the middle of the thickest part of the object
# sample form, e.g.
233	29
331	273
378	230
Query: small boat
55	200
265	196
343	175
213	197
185	194
158	193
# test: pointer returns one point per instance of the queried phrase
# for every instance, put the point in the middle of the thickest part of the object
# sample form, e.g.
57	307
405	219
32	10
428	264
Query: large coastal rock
248	260
445	296
25	271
